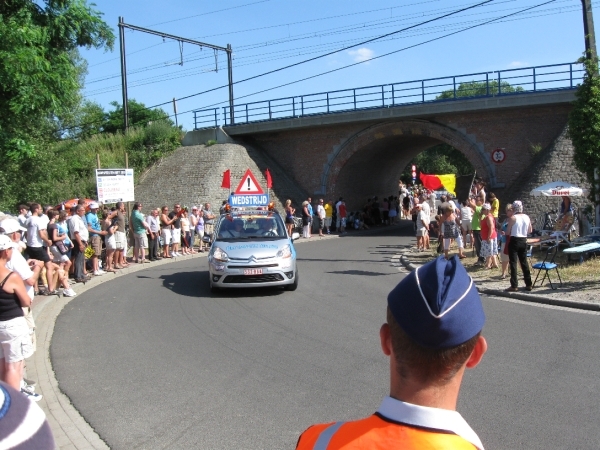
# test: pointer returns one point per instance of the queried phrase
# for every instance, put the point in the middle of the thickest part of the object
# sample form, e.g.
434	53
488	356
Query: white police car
251	248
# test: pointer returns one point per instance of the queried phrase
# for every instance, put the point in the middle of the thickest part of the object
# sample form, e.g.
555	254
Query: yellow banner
449	182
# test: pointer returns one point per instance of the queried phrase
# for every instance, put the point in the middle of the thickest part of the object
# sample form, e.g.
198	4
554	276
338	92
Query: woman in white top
466	216
519	226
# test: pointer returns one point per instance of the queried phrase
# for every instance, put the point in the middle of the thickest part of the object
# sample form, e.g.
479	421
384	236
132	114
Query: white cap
94	205
6	242
10	226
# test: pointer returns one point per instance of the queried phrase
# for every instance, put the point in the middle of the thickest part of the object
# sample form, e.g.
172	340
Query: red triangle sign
248	185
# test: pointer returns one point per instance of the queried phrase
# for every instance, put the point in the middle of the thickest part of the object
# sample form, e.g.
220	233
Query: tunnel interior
374	170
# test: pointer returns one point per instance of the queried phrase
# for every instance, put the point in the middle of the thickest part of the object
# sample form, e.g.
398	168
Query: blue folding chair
547	265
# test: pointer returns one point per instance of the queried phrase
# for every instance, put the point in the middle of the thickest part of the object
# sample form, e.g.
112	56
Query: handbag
62	248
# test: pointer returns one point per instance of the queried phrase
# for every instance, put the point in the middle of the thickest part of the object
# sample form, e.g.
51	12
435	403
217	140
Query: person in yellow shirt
328	214
432	335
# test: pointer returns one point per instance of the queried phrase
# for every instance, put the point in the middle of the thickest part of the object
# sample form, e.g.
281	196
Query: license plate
253	271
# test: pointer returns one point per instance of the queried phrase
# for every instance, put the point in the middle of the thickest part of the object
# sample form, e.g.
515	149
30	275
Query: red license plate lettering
253	271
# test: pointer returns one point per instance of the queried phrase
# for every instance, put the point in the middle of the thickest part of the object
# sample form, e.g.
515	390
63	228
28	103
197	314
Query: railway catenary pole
228	50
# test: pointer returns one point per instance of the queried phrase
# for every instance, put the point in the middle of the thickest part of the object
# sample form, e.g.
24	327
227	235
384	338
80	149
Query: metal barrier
456	87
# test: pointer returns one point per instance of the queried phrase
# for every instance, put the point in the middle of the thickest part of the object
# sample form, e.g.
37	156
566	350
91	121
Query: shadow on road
360	272
195	284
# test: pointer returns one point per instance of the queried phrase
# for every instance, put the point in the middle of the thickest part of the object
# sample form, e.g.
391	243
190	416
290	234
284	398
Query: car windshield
250	225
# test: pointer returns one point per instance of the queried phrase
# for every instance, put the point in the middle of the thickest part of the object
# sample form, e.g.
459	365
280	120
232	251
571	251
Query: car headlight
285	252
220	255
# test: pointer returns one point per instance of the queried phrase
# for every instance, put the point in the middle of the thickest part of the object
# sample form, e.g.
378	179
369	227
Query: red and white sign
498	155
248	185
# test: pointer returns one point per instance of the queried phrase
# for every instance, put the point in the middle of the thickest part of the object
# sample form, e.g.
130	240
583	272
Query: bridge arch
370	162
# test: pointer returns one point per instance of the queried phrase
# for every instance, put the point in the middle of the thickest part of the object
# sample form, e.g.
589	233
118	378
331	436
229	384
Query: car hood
246	250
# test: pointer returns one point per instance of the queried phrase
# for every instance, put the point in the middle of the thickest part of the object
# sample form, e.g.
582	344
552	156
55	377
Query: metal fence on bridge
452	88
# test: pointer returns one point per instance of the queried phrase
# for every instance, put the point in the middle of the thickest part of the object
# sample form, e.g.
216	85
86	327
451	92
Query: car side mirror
206	239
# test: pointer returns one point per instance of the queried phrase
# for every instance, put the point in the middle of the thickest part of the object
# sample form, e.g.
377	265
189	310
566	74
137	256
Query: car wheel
294	286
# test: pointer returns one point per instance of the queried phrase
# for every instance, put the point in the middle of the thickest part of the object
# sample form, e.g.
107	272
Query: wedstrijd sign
248	193
249	200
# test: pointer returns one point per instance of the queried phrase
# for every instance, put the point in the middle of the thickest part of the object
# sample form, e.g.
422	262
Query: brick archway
370	161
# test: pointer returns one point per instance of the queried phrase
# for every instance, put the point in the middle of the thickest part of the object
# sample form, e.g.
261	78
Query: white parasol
558	189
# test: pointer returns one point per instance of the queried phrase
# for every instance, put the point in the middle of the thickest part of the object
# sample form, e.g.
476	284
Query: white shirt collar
427	417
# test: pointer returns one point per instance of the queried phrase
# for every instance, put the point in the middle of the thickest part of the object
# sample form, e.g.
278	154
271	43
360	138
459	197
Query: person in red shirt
342	216
432	335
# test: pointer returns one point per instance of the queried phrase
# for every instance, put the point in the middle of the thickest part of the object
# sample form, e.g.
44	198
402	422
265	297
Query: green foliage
479	89
138	115
210	142
66	169
439	160
584	123
40	74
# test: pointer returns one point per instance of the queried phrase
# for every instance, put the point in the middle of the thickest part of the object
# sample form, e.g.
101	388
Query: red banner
226	184
269	179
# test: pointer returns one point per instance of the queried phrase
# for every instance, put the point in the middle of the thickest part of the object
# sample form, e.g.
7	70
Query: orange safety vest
375	432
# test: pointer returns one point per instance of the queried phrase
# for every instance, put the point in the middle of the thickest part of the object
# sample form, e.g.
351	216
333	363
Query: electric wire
285	54
167	77
337	69
378	57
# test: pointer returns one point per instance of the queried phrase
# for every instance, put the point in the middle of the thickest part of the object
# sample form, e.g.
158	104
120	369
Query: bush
66	169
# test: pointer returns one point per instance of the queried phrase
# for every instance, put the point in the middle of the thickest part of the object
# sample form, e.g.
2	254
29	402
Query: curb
524	297
70	429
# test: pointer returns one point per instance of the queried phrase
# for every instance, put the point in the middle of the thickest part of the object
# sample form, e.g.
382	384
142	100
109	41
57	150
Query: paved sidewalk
571	295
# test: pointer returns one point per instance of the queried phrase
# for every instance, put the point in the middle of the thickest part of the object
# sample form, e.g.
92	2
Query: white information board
114	185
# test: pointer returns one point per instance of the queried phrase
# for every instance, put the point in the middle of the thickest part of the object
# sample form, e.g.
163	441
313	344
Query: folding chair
547	265
529	254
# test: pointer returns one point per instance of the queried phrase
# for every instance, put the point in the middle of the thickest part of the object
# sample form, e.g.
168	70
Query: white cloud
517	64
361	54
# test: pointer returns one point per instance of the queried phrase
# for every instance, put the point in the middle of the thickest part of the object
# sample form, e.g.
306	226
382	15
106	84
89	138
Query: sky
266	35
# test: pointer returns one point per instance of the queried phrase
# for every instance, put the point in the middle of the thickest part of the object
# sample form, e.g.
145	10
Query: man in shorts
140	229
37	236
321	214
422	227
96	233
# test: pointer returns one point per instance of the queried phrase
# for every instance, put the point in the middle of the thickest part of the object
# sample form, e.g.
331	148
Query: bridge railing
456	87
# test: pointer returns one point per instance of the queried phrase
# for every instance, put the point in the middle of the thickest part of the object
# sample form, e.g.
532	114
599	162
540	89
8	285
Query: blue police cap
437	305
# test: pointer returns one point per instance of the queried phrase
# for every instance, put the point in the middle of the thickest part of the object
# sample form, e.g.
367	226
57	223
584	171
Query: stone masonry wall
554	163
193	176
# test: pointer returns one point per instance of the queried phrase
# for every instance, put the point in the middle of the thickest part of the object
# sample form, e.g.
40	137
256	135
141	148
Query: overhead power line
307	50
380	56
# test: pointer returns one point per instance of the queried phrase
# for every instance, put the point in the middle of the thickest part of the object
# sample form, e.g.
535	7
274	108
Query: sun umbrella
558	189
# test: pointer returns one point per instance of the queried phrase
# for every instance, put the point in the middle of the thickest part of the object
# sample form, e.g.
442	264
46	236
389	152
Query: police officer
432	334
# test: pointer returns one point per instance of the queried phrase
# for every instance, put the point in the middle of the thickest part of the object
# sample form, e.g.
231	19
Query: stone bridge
358	154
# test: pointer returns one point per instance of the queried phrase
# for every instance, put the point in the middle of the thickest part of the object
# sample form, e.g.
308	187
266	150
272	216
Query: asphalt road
152	360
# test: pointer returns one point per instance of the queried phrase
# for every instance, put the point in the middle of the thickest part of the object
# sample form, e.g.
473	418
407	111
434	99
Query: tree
480	89
139	115
40	74
584	123
439	160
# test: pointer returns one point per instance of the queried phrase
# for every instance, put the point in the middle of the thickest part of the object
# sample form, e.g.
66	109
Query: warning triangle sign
248	185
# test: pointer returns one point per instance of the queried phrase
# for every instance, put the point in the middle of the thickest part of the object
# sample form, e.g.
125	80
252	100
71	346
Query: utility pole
588	29
181	40
123	74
